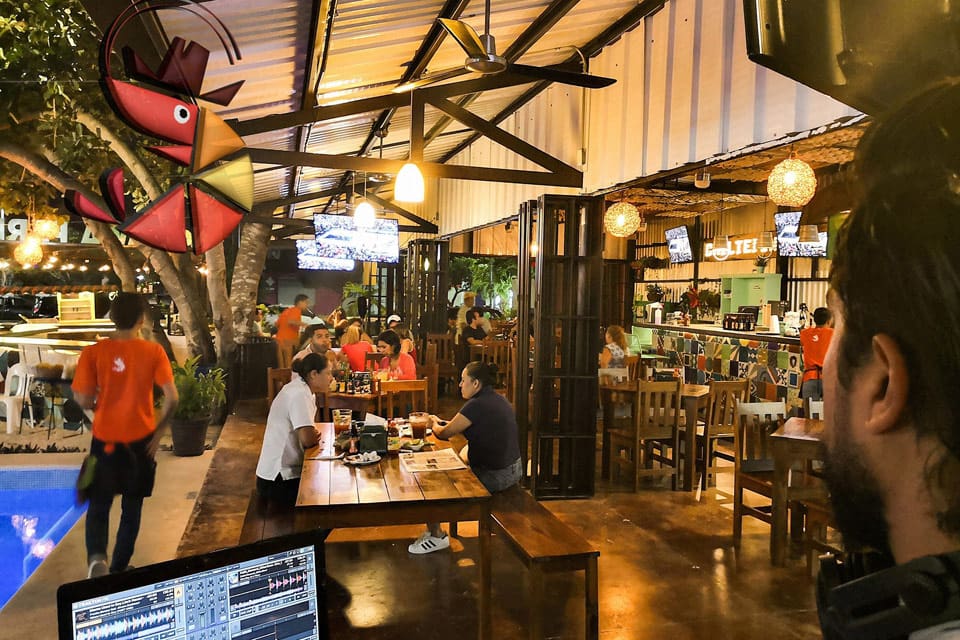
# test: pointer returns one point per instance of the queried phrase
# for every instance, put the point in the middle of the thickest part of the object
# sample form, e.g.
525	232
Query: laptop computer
269	589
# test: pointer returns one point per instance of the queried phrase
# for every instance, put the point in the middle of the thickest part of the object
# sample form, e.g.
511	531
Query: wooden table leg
606	401
778	524
485	623
535	614
592	599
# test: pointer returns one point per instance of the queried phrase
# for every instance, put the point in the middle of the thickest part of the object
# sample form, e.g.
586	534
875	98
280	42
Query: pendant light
767	243
808	234
364	214
792	183
721	243
409	186
380	178
29	252
622	219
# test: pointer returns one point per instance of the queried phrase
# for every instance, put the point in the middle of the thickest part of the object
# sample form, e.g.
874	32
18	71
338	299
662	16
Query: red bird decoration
211	201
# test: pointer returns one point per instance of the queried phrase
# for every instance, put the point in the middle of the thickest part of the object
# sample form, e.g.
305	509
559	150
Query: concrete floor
667	564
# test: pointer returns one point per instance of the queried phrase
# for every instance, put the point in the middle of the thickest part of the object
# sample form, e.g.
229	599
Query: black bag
88	472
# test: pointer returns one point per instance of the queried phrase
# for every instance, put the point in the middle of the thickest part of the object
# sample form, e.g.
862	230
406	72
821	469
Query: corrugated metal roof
370	43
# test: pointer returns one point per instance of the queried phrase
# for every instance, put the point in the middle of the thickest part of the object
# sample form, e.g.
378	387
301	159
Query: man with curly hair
892	410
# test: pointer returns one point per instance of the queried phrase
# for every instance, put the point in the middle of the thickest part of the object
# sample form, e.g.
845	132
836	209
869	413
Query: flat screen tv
340	237
678	245
309	260
788	225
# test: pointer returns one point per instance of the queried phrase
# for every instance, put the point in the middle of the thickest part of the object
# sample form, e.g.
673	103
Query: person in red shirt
115	378
355	349
815	341
399	365
288	329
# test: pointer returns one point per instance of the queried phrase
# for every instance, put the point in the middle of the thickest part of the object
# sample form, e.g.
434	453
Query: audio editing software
270	598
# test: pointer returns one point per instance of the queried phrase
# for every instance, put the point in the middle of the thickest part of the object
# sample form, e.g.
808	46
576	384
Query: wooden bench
546	545
265	519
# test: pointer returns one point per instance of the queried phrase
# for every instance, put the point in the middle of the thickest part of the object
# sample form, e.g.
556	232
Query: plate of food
414	445
361	459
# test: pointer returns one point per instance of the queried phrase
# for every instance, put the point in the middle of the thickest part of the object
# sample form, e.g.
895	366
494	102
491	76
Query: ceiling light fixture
409	186
808	234
721	243
364	214
29	252
792	183
621	220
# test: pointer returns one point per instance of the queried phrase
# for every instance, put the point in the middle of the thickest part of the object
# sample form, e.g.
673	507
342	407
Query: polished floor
668	568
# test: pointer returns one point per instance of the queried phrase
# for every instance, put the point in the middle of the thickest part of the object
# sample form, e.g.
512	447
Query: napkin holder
373	437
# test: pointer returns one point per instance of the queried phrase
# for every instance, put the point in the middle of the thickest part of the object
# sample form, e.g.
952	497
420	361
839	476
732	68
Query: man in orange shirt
814	341
288	329
115	378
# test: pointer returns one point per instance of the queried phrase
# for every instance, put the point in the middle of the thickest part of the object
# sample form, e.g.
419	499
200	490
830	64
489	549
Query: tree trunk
52	174
220	304
247	269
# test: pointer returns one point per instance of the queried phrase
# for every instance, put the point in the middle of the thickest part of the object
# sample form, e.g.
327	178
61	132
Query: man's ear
887	383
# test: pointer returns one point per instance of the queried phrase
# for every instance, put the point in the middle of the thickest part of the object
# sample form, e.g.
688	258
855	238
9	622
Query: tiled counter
772	364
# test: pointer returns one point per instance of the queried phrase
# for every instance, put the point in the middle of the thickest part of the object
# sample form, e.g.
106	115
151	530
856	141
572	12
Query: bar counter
772	363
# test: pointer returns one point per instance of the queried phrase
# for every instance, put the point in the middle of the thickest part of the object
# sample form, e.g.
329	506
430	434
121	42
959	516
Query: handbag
85	478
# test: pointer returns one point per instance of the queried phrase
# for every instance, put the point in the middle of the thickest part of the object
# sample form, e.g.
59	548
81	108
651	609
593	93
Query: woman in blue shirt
489	424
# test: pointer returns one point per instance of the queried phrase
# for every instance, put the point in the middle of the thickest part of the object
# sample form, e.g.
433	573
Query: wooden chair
276	378
719	422
428	372
372	361
390	389
753	460
500	353
656	431
446	357
819	518
634	366
813	409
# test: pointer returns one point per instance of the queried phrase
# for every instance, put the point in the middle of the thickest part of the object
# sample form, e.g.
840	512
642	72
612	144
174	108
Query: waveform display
129	626
268	586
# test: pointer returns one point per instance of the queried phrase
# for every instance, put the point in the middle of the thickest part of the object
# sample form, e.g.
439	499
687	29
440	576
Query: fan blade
557	74
465	36
429	79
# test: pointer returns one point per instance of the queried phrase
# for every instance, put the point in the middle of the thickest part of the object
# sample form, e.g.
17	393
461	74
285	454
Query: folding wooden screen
569	274
425	286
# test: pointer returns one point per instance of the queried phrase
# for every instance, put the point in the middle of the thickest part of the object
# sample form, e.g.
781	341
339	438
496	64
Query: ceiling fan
482	58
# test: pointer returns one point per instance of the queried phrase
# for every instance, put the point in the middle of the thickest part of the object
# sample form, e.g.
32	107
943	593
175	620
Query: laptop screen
270	589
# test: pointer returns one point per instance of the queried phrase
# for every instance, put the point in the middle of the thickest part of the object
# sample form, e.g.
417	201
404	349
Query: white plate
358	461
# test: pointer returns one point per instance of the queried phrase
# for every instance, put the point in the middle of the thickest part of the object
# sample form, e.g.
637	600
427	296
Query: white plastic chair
13	396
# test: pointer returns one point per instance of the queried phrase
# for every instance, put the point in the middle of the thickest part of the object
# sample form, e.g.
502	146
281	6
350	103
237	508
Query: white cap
393	318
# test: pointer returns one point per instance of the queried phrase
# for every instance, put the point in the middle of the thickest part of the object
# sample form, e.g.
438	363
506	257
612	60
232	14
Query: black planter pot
189	436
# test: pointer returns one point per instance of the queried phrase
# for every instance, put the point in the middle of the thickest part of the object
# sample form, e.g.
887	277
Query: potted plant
654	293
200	393
761	263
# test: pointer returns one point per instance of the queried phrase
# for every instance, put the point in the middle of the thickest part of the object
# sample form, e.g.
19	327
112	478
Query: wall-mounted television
788	226
678	245
339	237
308	259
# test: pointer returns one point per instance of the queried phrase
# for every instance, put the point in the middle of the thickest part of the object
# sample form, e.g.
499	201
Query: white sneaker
428	543
97	568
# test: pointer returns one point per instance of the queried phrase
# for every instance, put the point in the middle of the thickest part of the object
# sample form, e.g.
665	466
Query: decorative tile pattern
774	369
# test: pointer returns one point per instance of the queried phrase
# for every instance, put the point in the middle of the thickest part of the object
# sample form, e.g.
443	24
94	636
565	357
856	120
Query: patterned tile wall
773	369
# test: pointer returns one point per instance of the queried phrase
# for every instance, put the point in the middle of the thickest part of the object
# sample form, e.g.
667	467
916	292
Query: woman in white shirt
290	430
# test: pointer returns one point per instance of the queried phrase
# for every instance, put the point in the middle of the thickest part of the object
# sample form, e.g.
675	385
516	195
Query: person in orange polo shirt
288	329
115	378
814	341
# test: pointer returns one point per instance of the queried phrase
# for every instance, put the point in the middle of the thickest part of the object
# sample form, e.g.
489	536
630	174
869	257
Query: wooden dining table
692	397
334	495
796	442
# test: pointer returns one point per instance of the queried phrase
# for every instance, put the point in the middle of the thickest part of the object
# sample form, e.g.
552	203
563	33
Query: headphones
864	596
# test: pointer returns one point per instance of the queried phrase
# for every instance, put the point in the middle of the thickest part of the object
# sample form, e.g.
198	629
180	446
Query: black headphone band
860	596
